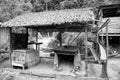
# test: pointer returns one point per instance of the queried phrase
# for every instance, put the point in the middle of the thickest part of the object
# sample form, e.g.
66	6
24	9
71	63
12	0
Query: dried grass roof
114	25
51	18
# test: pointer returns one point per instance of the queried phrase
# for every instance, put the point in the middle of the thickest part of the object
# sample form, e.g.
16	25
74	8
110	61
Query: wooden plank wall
4	36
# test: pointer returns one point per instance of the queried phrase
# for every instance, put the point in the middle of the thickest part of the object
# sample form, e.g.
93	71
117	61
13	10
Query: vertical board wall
4	37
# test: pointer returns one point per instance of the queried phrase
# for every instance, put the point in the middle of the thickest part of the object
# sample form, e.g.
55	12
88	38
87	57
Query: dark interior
66	59
111	12
19	41
114	41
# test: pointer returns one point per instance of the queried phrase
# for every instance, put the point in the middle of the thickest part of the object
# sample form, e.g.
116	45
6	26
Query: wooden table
36	43
65	50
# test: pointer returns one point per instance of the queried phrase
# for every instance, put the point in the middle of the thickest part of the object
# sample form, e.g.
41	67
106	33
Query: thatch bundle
52	17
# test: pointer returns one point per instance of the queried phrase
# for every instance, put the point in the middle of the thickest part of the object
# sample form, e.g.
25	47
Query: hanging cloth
103	55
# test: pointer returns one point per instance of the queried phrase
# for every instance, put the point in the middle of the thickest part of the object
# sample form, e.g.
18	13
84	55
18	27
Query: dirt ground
94	70
113	69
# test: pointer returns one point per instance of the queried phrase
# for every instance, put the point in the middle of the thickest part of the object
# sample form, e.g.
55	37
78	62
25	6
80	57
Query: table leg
55	61
77	62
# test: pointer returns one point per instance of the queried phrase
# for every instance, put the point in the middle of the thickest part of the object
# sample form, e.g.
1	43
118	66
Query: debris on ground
94	70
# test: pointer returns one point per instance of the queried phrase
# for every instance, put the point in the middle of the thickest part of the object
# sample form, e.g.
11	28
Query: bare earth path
94	71
113	69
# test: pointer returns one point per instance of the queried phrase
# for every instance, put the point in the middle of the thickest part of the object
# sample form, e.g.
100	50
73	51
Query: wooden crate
18	56
25	58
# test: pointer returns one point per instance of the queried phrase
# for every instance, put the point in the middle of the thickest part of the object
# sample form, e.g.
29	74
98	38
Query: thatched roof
51	18
114	25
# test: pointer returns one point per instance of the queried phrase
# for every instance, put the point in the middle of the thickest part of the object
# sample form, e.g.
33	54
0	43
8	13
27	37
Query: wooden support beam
104	25
37	39
104	64
10	38
26	30
48	34
60	38
102	38
38	74
97	37
86	53
27	34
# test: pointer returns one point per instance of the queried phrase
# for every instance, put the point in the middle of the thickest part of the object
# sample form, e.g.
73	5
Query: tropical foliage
12	8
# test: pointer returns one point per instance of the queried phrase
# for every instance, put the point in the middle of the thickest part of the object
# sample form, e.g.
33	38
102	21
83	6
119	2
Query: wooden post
26	30
102	37
101	12
27	34
46	7
119	41
37	39
60	38
104	64
97	36
48	34
10	38
86	53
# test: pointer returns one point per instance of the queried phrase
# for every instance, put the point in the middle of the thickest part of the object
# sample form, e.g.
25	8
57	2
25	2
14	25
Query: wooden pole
26	30
86	54
37	39
46	6
97	36
48	34
60	38
10	38
119	41
27	36
101	12
102	37
104	64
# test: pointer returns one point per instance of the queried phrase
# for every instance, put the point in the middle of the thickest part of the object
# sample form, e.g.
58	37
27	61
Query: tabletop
71	50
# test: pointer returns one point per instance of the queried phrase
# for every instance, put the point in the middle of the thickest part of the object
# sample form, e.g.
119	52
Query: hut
114	32
72	20
113	13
